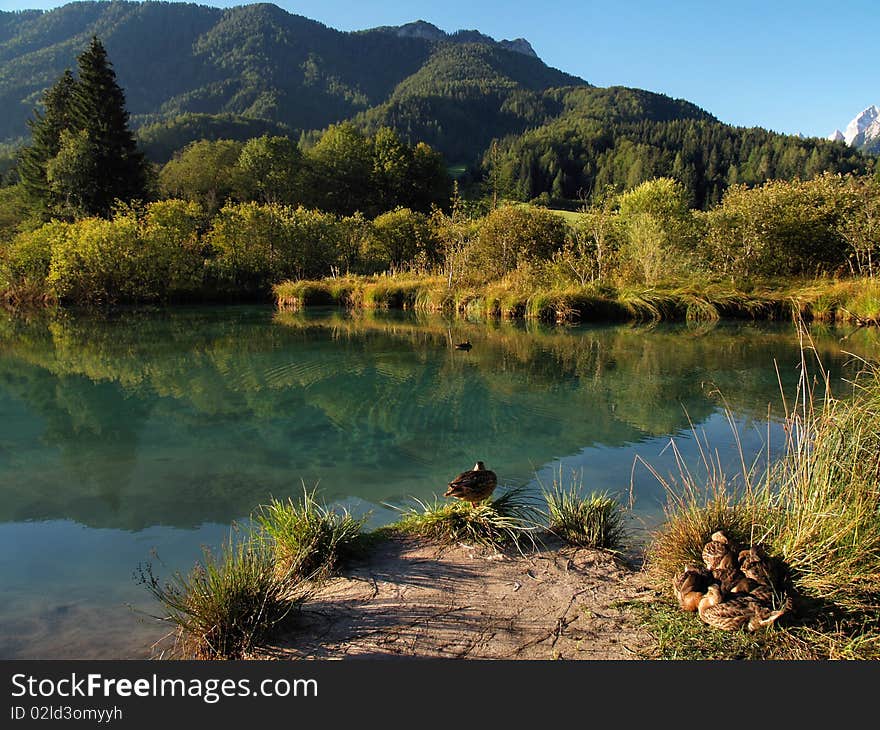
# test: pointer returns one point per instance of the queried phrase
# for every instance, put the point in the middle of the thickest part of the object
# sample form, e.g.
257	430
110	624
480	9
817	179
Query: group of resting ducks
736	588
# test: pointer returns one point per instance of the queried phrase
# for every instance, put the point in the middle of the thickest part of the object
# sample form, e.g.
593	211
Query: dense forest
621	137
256	61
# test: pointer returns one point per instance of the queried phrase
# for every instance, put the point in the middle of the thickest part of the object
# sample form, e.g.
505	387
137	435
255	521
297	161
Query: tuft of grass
692	514
307	538
595	520
228	603
506	520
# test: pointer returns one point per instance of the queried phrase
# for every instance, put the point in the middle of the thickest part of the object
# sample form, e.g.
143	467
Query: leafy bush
25	263
259	245
781	229
514	235
397	238
658	232
137	256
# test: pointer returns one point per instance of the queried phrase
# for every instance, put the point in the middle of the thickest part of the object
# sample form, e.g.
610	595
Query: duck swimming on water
466	345
473	486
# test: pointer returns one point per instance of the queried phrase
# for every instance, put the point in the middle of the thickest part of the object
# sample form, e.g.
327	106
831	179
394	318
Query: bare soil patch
411	598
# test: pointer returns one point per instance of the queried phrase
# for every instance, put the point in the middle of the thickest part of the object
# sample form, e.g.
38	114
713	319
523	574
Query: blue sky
789	66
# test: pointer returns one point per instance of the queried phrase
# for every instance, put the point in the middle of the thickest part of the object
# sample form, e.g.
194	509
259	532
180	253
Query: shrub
513	235
259	245
779	229
25	263
137	256
657	231
396	239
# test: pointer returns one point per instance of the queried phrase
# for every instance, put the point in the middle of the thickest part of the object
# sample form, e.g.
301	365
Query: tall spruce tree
46	128
98	108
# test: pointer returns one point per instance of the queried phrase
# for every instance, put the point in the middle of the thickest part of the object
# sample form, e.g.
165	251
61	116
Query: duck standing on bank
473	486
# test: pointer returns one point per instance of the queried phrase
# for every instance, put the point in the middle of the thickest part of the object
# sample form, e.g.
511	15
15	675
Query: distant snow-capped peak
861	124
862	132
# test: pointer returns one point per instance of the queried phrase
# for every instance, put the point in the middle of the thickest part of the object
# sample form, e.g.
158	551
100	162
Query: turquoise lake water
137	431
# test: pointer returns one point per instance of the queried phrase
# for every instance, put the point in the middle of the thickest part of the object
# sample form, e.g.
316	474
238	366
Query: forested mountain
621	137
193	72
255	61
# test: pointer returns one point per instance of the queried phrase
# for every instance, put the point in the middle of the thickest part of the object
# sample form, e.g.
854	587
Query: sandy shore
411	598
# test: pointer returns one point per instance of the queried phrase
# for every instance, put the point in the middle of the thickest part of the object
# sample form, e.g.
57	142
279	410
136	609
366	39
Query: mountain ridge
429	31
194	72
252	60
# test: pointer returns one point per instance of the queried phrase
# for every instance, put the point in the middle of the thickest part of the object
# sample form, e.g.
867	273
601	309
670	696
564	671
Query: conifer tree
46	128
98	108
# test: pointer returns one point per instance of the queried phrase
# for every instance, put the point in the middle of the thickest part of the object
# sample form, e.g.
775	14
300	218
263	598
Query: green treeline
646	237
344	172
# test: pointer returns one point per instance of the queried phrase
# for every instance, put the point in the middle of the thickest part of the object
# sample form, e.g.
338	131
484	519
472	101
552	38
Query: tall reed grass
855	301
817	508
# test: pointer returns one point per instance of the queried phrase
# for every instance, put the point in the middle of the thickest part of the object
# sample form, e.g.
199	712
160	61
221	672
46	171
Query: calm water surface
136	431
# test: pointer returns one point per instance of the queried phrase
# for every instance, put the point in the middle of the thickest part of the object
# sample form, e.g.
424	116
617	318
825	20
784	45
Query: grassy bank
817	510
855	301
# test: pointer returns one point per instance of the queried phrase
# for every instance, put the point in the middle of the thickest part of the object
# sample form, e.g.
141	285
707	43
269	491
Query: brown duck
757	565
718	553
473	486
737	612
690	587
733	580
